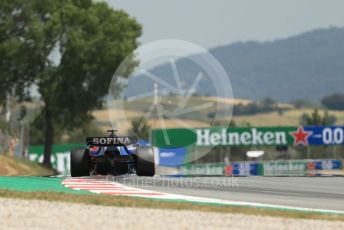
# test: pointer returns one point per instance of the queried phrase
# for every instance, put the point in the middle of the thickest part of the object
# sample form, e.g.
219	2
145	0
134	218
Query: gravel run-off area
35	214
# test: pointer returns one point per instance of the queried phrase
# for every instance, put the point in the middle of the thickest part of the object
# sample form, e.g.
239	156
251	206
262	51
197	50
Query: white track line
102	186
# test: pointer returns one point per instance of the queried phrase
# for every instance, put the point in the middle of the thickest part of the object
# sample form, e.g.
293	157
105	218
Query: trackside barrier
214	169
285	168
325	167
328	167
244	169
221	169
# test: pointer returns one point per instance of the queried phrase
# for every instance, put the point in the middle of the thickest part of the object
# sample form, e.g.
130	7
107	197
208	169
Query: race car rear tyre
79	162
145	165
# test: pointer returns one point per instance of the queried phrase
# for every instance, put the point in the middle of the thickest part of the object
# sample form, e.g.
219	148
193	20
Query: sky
221	22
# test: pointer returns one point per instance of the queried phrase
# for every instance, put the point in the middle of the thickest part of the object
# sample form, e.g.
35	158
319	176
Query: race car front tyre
79	162
145	165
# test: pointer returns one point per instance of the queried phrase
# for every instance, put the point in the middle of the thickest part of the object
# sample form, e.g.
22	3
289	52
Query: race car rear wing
111	141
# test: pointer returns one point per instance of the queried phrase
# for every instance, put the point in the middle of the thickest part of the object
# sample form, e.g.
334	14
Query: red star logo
301	136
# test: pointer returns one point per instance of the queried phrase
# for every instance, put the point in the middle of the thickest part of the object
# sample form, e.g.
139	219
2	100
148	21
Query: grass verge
12	166
122	201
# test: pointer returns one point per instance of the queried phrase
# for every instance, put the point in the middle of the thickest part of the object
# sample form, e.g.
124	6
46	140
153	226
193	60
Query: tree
334	101
301	103
316	119
268	102
16	65
140	128
328	119
74	47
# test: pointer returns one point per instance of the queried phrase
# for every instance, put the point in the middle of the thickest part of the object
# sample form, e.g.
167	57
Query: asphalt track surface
306	192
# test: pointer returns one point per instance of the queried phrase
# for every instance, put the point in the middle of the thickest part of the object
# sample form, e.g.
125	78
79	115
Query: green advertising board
60	156
203	169
248	136
216	136
285	168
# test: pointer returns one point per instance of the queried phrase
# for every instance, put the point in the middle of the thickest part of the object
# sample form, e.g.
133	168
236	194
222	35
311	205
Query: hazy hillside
308	66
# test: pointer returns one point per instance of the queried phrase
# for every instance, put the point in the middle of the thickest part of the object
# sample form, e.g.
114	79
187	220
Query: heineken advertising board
214	169
321	167
285	168
247	136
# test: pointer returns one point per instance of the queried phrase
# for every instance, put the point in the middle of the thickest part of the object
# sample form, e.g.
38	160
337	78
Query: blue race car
112	155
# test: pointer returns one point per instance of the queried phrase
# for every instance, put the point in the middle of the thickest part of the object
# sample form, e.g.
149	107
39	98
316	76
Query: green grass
121	201
36	184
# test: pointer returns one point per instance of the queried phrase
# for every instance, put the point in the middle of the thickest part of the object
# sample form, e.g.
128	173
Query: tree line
334	101
69	50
